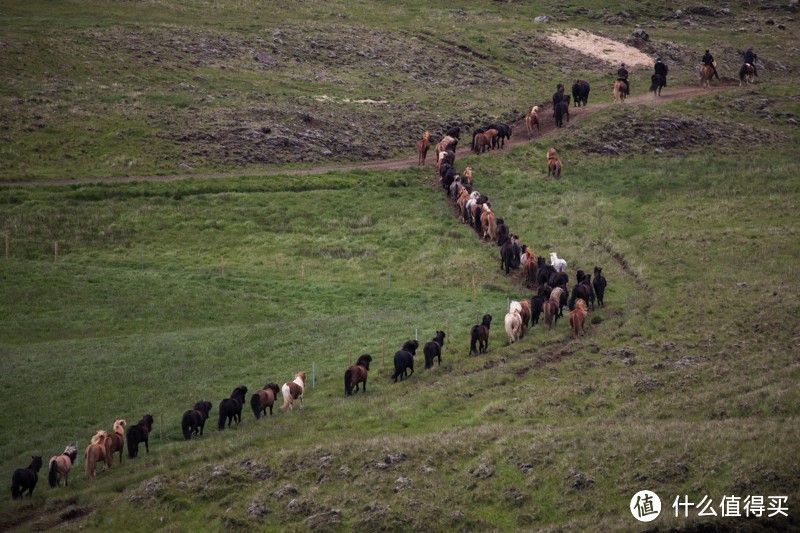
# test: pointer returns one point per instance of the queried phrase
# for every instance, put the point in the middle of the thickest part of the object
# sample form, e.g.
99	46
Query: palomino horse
620	90
25	478
577	318
706	73
60	465
479	336
264	398
513	325
747	74
423	145
116	442
553	164
293	390
531	119
356	374
96	452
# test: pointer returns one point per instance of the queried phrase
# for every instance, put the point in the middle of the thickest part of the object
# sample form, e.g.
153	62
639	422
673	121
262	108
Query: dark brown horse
434	349
747	74
138	434
479	336
194	420
423	145
357	374
115	443
264	398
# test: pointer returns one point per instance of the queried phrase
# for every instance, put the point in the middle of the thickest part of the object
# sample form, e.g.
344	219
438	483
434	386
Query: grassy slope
685	384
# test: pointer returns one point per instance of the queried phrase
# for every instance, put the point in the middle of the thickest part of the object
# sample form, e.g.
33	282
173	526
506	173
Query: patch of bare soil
607	50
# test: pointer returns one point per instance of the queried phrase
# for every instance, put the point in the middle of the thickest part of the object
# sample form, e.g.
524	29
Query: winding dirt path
519	136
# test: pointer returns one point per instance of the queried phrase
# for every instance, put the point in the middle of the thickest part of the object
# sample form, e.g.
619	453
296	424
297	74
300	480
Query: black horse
138	433
230	409
507	259
503	132
194	420
25	478
403	362
479	336
580	92
599	285
537	303
584	291
657	82
454	132
543	271
433	349
561	110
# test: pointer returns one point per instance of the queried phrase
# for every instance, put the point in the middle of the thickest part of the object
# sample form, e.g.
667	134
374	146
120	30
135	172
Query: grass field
166	292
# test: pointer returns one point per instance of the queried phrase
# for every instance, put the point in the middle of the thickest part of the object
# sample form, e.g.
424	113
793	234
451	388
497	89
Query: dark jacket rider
708	60
661	68
750	58
622	75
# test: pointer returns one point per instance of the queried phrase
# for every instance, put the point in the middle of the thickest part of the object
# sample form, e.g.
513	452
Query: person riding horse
708	60
750	59
622	75
661	68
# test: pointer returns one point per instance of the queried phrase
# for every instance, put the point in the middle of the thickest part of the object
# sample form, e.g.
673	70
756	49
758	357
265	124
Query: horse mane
118	425
99	437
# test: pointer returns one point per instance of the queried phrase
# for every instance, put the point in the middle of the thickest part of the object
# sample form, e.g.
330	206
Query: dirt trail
519	136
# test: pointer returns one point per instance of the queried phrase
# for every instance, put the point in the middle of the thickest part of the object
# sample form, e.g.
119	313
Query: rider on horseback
622	75
661	68
750	59
708	60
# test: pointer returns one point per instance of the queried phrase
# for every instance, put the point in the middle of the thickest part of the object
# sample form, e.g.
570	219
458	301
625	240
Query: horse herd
103	445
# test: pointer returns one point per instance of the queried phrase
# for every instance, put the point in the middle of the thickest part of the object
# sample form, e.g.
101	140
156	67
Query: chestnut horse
60	465
96	452
481	143
620	90
356	374
706	73
264	398
115	442
531	119
423	145
577	317
293	390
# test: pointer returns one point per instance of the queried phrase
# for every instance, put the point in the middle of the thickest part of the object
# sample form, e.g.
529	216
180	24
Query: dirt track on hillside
519	137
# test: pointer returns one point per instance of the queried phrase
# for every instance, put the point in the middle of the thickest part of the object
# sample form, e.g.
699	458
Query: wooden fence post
8	246
55	249
222	267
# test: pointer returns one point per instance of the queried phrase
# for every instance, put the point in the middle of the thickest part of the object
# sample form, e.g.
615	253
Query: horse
422	146
529	266
550	308
554	168
60	465
599	285
96	452
488	222
502	233
355	374
26	478
580	92
468	176
525	315
503	133
577	318
410	346
513	325
261	399
116	441
194	420
139	433
481	143
620	90
479	336
537	305
560	265
491	133
582	291
561	110
434	349
531	119
403	362
657	82
461	203
230	409
293	390
706	74
507	256
747	74
442	146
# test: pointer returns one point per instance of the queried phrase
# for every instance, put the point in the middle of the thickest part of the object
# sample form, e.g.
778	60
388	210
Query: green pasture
163	293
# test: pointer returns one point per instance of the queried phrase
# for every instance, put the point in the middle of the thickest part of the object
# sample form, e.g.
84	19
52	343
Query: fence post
222	267
383	352
161	430
313	374
8	246
302	273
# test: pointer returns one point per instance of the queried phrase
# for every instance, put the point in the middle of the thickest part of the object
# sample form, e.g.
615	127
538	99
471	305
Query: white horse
559	264
513	324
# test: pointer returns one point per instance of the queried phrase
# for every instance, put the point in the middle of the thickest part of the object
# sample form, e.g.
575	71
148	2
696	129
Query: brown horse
530	267
481	143
96	452
293	390
706	73
423	145
554	167
747	74
577	317
479	336
442	146
60	465
531	119
620	91
356	374
116	442
264	398
525	315
488	222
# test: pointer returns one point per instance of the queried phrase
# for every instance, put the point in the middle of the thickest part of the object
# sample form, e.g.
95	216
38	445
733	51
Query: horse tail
223	413
186	426
16	489
473	342
133	441
348	382
255	403
287	397
52	474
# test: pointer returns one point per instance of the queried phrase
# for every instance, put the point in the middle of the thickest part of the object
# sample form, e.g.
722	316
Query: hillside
260	261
